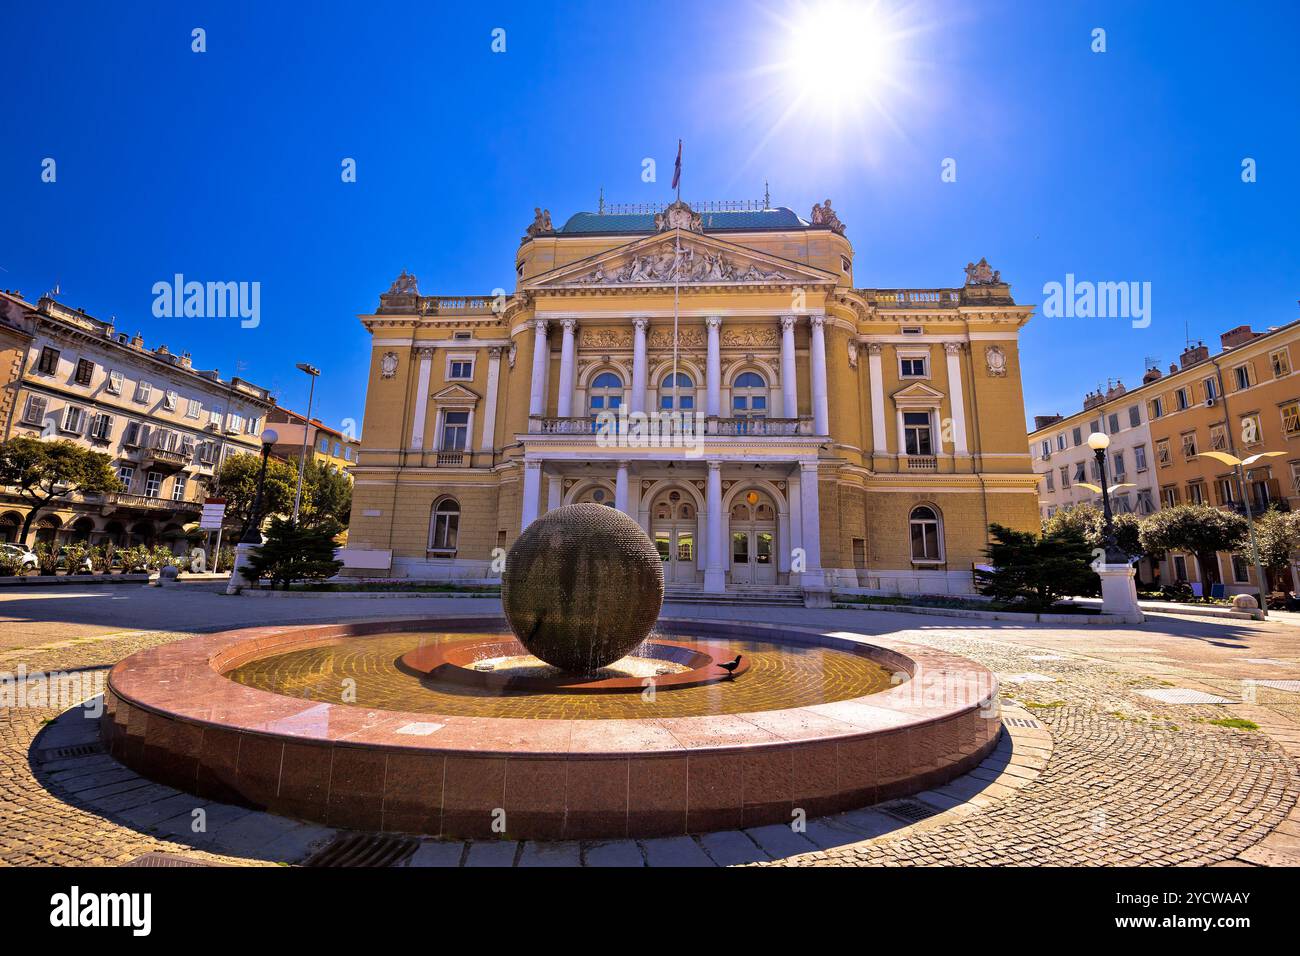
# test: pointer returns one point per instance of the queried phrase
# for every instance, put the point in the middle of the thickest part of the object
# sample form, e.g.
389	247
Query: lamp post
1099	442
1239	467
1118	589
312	371
253	535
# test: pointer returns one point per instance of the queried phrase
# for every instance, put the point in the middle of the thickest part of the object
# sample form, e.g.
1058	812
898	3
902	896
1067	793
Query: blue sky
225	165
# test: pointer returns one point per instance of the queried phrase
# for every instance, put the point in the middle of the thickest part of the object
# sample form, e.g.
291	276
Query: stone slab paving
1102	774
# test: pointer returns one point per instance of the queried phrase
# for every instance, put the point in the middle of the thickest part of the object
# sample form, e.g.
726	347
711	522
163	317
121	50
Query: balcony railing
669	424
122	499
921	463
451	459
917	298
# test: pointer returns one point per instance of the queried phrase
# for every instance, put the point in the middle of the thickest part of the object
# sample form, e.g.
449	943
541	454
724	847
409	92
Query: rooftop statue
405	284
981	273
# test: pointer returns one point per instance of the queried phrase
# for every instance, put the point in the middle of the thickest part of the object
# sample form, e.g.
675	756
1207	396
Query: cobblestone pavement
1127	779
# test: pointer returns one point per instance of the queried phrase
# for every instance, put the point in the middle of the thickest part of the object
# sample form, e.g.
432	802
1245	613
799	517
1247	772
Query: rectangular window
124	474
1169	496
1281	362
235	423
1081	471
1184	397
1162	453
1225	490
115	382
1196	492
143	392
1095	469
1211	388
1157	408
1060	442
34	412
1144	505
347	453
460	369
1114	422
323	445
254	425
1241	377
916	433
1140	457
1180	569
101	427
1240	570
1117	464
912	367
1219	437
193	408
85	372
134	435
152	482
1065	477
1094	426
462	336
1189	445
214	419
1045	449
1051	481
1251	433
170	398
178	487
74	417
1291	419
455	426
1134	416
1077	435
48	363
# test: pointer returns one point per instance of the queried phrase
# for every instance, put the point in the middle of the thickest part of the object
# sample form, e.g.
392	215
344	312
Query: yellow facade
814	418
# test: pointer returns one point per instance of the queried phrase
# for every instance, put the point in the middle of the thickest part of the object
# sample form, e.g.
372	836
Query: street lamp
253	535
1239	466
312	371
1099	442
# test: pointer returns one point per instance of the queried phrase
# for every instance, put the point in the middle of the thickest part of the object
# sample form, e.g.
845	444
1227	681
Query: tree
1037	570
46	473
294	553
1199	529
1089	522
1278	535
326	495
236	481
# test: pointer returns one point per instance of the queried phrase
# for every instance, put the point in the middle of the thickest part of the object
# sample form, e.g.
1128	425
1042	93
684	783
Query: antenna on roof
600	206
1151	361
767	196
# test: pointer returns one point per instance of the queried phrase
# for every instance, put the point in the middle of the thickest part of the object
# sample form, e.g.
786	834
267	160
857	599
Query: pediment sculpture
683	265
405	284
981	273
679	216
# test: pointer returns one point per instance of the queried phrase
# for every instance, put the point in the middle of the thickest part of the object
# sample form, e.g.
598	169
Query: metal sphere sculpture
582	587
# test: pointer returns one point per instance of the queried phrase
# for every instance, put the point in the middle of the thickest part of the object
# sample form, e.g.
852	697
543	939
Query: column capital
424	351
806	466
494	352
641	324
569	325
533	464
540	325
817	321
874	348
952	348
714	464
713	322
788	322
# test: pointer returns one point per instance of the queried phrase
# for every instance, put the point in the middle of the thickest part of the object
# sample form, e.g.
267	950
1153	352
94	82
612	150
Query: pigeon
730	666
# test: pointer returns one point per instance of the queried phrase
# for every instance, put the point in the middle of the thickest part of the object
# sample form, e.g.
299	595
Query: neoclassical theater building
818	434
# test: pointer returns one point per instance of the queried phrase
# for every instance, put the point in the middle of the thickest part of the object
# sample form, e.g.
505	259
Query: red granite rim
451	664
184	681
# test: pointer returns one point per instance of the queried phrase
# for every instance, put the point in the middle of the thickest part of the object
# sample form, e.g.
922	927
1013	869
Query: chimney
1193	354
1042	421
1238	336
1150	375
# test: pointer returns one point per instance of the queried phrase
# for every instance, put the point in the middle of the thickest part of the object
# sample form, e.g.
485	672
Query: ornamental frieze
667	264
762	337
606	339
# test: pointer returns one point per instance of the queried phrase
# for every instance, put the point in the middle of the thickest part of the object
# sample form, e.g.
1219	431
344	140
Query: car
20	551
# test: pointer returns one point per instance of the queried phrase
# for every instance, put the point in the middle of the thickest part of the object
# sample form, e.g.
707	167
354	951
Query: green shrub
1036	570
47	558
293	553
74	555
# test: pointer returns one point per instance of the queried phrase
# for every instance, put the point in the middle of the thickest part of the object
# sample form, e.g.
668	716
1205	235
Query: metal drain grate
164	859
77	750
1021	722
364	849
913	811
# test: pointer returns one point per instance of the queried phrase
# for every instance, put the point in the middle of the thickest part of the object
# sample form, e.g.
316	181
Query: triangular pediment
680	257
455	393
919	393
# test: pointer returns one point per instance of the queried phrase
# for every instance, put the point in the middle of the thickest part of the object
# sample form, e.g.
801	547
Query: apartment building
166	424
325	445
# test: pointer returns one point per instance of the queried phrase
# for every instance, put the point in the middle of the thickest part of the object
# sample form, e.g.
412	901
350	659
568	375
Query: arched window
605	394
685	393
749	396
444	525
927	537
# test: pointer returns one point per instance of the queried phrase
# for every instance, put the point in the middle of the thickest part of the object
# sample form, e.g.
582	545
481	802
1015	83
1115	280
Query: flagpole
677	257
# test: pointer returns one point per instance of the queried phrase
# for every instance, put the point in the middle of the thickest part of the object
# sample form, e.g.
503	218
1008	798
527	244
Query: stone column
639	328
564	407
811	526
821	413
541	358
715	574
713	367
554	492
956	398
620	488
796	522
421	398
879	437
488	440
532	493
789	382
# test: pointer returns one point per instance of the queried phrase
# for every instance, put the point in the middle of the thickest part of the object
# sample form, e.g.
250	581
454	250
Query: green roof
732	221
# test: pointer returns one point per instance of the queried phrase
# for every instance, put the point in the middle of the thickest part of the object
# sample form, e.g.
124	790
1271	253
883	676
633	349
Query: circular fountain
461	727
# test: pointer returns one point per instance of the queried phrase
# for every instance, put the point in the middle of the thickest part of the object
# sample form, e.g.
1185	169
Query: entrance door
753	539
673	527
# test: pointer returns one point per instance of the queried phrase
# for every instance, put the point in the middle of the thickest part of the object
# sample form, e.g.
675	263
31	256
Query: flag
677	166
